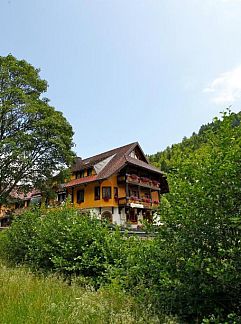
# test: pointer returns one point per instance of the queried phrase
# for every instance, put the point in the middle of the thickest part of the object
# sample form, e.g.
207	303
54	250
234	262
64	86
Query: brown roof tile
91	161
121	157
76	182
142	164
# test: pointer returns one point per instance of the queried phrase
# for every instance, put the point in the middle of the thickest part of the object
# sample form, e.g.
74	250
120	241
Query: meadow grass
26	298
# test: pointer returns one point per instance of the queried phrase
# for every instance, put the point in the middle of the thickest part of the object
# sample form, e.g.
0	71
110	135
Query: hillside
167	160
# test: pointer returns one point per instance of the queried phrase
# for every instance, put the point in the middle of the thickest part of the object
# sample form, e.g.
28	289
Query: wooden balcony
136	202
139	181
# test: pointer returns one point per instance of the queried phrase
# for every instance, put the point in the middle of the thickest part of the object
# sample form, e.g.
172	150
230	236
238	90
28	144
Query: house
16	202
119	185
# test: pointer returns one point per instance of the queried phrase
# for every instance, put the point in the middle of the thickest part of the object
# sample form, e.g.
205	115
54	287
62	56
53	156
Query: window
116	192
61	197
97	193
80	196
106	193
80	174
89	172
147	195
133	193
131	215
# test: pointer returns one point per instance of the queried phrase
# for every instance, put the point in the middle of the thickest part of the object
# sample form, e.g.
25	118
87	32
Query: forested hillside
168	159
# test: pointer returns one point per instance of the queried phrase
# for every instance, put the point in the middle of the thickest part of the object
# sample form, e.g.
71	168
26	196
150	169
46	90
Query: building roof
76	182
91	161
108	163
16	194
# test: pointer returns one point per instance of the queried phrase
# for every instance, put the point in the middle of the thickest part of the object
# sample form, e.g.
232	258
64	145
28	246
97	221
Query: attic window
133	155
89	172
79	174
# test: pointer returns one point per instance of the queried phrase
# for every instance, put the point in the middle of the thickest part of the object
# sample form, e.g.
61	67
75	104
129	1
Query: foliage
64	241
192	268
199	241
169	159
35	139
25	298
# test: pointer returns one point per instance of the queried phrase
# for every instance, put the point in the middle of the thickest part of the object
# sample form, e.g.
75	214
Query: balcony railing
137	202
141	181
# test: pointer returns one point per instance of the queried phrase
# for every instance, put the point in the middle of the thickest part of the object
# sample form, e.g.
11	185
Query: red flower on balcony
134	198
134	177
143	179
147	200
106	198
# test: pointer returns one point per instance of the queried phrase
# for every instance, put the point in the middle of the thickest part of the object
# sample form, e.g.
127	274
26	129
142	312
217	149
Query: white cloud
226	88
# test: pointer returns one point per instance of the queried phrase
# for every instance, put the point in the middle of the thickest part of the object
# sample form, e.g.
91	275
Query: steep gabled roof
111	162
91	161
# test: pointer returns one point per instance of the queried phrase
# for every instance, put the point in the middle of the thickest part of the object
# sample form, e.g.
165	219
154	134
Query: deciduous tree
35	139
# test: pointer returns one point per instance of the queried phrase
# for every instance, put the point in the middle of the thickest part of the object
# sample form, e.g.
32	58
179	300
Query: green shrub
193	267
64	241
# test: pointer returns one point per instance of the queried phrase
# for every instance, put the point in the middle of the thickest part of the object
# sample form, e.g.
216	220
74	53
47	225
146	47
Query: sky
121	71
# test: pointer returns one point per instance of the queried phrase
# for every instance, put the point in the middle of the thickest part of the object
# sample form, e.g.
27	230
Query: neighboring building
17	201
119	185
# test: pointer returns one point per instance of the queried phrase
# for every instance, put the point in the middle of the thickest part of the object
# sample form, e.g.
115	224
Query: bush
63	241
193	267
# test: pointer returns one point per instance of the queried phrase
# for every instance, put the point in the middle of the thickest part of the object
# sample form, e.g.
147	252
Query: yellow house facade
119	185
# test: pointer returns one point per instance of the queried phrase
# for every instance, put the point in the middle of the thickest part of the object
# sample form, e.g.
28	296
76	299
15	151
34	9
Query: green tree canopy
201	217
35	139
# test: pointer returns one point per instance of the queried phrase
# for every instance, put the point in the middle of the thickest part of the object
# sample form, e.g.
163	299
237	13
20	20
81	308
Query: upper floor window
89	172
115	192
106	192
97	193
80	174
80	196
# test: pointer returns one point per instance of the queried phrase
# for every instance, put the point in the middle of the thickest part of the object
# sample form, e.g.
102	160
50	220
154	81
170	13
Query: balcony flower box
106	198
132	178
145	180
146	200
134	198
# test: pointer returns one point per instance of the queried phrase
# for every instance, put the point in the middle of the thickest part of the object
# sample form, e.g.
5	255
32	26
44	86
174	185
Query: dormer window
80	174
89	172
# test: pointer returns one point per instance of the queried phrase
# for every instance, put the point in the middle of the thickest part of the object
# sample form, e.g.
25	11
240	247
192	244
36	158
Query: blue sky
121	71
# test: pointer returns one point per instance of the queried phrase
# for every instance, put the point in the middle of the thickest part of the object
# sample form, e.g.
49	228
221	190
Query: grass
26	298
